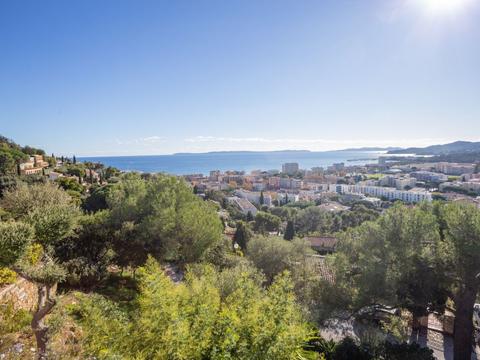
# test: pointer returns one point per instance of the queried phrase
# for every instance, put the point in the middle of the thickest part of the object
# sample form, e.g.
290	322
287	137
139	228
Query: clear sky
117	77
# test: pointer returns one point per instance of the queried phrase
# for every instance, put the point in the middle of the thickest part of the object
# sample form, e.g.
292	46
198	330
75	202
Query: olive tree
40	216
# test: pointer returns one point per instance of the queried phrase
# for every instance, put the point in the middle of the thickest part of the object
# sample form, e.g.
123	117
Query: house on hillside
323	244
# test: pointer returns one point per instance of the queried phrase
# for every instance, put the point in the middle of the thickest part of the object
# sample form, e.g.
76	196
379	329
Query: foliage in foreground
198	319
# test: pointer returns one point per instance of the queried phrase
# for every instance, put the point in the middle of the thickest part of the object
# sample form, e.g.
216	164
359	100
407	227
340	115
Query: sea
203	163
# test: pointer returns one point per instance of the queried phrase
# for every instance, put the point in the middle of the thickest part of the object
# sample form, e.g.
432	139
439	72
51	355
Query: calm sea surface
181	164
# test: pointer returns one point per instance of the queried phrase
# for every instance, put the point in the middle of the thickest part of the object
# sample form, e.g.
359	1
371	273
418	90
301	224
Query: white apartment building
454	168
399	183
467	185
411	196
258	186
289	183
287	197
429	176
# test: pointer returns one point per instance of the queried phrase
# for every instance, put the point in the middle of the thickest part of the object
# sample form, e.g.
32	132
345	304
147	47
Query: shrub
7	276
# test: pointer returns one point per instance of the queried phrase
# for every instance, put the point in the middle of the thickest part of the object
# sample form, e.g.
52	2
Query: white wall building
411	196
254	197
243	205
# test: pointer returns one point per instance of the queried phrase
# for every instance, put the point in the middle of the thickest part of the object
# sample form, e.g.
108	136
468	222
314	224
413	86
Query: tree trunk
45	305
463	326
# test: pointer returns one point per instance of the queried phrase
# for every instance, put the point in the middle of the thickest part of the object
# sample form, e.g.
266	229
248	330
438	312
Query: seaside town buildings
374	184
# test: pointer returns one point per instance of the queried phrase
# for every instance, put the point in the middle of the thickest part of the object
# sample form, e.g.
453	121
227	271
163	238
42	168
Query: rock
18	348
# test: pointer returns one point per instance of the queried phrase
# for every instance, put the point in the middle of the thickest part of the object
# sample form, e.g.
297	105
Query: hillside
445	149
11	154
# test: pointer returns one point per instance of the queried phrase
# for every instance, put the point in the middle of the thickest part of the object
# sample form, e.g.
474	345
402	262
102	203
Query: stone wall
23	293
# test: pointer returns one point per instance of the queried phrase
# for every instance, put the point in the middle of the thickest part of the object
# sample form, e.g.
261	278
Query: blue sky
117	77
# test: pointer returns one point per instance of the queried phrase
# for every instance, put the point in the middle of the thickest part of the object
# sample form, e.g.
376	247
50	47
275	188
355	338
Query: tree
74	159
262	198
77	170
284	212
163	217
274	255
43	215
313	219
242	235
266	222
358	214
87	253
7	164
7	182
68	183
96	199
289	230
249	217
462	242
393	262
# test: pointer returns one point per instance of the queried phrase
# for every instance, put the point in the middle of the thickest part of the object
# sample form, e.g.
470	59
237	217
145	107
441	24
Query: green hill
12	154
445	149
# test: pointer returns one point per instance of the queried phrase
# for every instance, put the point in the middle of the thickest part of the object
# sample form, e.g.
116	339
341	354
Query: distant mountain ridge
390	148
289	151
445	149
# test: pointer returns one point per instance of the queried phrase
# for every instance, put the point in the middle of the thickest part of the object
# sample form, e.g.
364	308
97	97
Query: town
338	186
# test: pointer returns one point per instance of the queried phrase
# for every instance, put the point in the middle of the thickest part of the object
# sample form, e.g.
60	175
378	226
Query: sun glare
442	7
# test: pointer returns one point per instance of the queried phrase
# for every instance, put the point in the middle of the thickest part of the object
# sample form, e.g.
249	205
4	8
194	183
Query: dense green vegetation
211	315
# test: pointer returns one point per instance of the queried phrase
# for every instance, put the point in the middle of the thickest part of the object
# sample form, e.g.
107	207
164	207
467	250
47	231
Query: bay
202	163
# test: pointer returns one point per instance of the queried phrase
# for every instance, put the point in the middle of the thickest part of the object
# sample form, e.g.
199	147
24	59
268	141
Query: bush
12	320
7	276
407	351
196	320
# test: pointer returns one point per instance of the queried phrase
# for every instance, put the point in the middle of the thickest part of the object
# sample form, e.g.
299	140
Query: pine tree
289	230
74	159
262	198
242	235
249	216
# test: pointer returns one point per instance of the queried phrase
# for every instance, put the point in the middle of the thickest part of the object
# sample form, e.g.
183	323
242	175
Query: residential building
214	175
405	182
429	176
323	244
243	205
274	182
290	183
254	197
290	168
336	167
411	196
454	168
284	198
34	165
258	186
